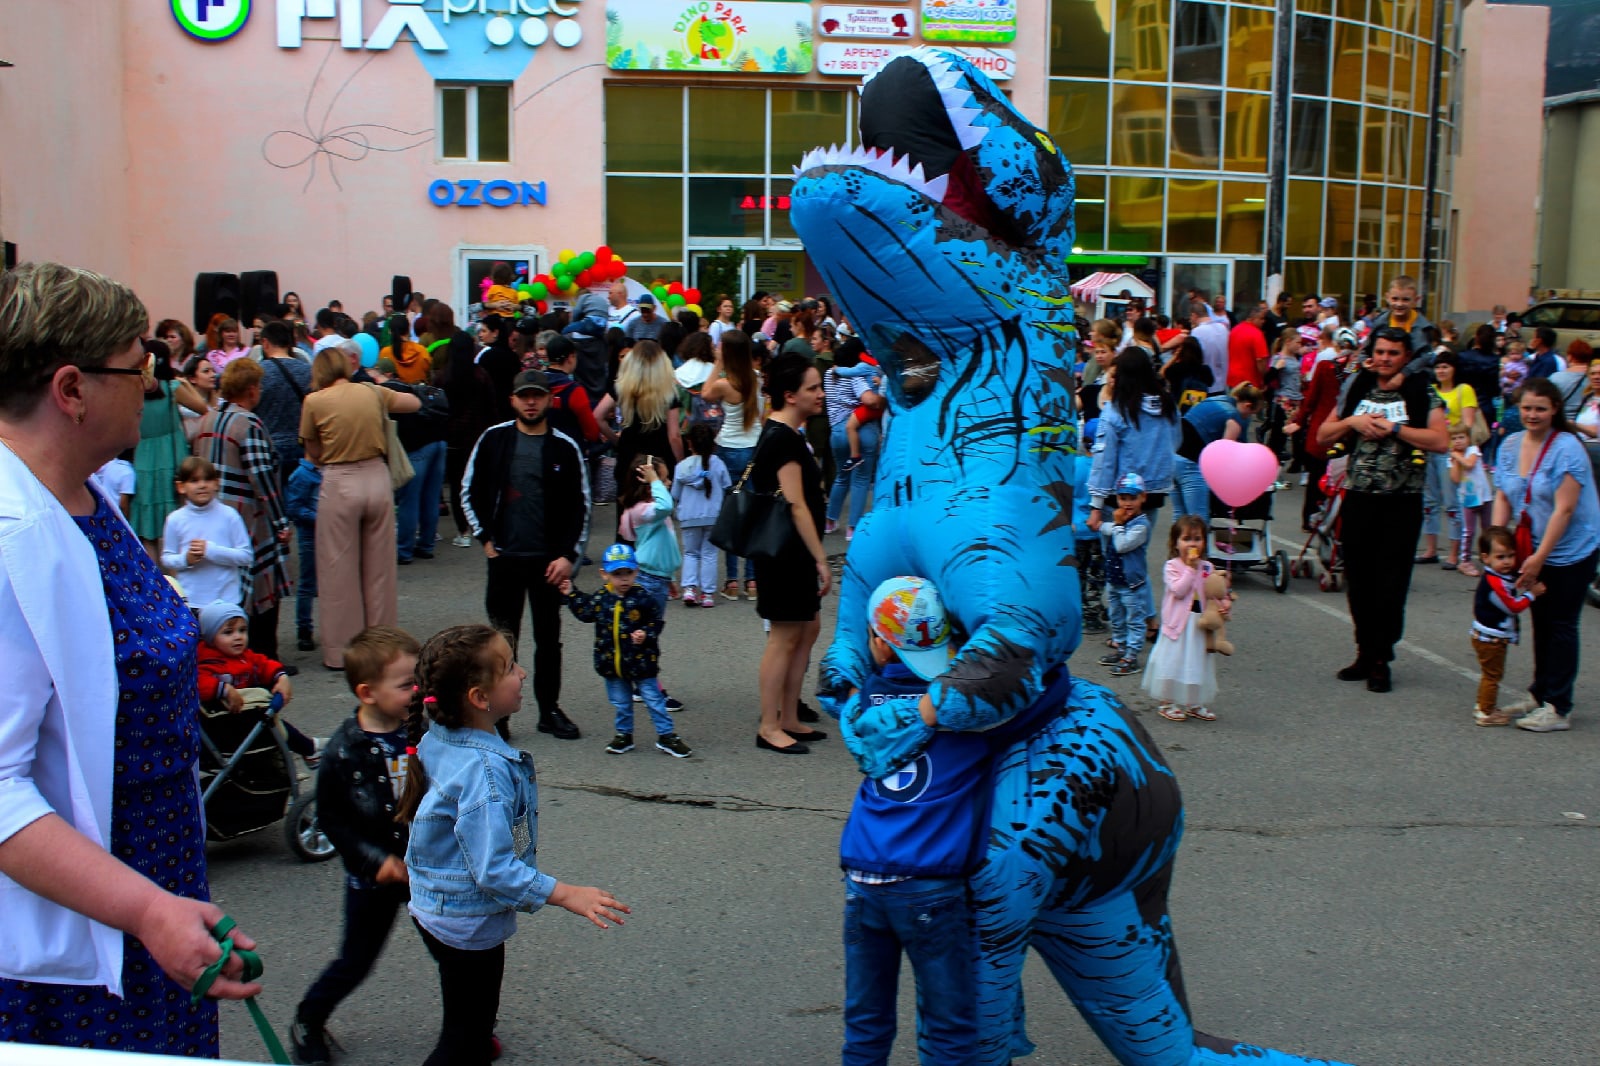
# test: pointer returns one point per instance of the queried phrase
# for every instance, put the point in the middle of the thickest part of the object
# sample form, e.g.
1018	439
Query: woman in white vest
99	713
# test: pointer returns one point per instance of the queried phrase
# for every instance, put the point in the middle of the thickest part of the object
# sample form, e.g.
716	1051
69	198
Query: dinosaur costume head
943	238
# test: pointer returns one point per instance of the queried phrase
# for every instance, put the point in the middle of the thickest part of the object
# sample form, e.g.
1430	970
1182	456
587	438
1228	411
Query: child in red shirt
227	667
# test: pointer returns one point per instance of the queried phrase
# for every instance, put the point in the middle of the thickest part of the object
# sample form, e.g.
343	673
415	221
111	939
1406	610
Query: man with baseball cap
646	325
526	496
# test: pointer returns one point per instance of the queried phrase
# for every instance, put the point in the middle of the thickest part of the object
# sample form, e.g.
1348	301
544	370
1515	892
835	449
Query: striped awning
1088	290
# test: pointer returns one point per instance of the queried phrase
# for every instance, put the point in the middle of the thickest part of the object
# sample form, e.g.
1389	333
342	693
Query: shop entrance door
781	273
1210	276
699	261
473	264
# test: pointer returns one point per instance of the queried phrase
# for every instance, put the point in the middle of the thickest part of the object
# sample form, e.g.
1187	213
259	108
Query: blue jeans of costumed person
1190	494
305	591
736	459
620	693
417	501
857	482
930	920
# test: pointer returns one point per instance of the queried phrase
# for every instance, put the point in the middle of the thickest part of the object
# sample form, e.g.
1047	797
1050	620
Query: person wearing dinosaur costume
944	238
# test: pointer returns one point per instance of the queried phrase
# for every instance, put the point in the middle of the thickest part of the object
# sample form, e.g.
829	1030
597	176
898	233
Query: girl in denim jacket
473	805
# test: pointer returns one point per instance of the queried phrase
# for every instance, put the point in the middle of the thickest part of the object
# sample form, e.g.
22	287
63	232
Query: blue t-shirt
1210	418
1566	456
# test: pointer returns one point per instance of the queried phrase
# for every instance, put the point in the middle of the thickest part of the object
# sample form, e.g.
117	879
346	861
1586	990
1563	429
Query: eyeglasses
146	370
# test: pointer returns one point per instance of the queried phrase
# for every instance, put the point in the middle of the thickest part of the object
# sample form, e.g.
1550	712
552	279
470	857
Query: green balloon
585	260
674	300
538	291
660	292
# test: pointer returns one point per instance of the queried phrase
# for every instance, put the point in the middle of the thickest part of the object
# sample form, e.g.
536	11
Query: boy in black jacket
358	787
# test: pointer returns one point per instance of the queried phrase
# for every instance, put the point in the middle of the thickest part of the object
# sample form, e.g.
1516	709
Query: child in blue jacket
1126	536
300	503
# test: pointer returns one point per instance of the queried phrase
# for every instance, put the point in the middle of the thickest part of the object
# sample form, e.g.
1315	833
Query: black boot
557	724
1378	679
1360	670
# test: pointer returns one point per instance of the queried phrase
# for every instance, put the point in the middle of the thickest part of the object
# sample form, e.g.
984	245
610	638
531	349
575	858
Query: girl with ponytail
472	802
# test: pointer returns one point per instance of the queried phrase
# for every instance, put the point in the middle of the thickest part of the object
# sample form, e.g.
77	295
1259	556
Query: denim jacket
1146	449
475	833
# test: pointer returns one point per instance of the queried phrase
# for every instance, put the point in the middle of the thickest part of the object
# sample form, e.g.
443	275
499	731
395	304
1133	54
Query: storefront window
645	128
1090	212
1078	121
1197	43
1394	220
728	131
782	228
803	119
1399	138
1139	126
1142	39
1300	276
1348	42
1339	221
1244	217
1353	9
1303	219
1192	216
1250	46
1135	214
1308	135
1380	47
1344	140
728	207
1080	41
1196	129
1413	246
1369	223
1310	70
1248	132
453	122
644	219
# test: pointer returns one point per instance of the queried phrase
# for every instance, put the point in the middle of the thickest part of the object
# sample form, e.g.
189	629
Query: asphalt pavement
1370	878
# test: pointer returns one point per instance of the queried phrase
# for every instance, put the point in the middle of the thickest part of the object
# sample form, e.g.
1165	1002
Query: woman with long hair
647	400
737	387
293	308
724	320
411	361
792	585
163	444
343	429
1544	474
179	340
1138	434
223	341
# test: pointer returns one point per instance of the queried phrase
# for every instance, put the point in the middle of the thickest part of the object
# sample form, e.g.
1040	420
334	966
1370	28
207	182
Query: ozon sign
434	24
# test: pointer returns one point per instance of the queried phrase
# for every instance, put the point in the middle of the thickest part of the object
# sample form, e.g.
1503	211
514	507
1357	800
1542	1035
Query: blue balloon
369	349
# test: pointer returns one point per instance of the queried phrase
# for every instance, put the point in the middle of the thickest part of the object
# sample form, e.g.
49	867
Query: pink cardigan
1183	585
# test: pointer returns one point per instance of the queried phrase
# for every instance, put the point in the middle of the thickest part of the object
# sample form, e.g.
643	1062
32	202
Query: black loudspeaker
214	294
400	291
258	295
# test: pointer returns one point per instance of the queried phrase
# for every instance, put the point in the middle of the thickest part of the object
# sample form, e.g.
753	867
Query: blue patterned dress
156	823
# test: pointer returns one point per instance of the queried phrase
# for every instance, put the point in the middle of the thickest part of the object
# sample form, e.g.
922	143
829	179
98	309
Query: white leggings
699	559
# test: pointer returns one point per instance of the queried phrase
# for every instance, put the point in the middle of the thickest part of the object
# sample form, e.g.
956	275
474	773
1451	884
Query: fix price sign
211	20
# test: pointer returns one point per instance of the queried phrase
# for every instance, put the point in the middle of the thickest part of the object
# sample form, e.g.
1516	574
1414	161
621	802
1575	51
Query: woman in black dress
789	589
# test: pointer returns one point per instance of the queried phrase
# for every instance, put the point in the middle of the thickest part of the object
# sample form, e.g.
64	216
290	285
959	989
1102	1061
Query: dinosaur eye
1045	141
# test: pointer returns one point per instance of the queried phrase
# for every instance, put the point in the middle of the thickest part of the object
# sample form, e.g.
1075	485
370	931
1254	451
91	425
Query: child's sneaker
1125	667
689	598
620	744
707	600
309	1043
1490	718
1111	658
673	745
674	704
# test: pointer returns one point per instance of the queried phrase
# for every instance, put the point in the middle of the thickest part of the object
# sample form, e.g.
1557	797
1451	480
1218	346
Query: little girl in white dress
1180	672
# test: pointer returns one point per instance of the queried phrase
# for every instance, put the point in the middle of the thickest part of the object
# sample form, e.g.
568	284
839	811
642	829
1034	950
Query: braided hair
453	662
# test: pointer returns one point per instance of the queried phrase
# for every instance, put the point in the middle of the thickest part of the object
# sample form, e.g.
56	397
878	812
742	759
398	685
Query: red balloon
691	296
675	289
618	270
544	308
603	254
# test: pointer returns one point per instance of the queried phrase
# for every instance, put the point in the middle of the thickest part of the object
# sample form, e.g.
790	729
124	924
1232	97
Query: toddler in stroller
232	677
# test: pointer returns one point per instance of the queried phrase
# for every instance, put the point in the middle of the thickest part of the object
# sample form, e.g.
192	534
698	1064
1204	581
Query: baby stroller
1322	557
248	779
1240	539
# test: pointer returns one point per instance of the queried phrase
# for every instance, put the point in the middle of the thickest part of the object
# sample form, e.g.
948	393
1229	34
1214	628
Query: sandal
1205	714
1468	570
1172	712
730	590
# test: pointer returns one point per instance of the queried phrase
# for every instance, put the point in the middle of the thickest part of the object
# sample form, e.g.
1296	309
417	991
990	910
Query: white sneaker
1523	706
462	541
1543	720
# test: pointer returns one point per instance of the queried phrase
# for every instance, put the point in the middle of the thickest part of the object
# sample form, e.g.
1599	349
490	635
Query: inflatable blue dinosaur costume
944	237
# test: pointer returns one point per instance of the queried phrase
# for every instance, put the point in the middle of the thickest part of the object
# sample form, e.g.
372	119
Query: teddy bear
1212	621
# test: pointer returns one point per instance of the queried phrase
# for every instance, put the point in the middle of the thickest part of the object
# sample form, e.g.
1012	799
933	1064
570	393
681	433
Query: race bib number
1394	412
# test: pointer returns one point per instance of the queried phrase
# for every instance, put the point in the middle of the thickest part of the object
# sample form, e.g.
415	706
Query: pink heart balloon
1238	473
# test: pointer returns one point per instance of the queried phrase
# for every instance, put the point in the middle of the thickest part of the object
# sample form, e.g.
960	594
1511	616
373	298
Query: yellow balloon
616	258
695	308
567	255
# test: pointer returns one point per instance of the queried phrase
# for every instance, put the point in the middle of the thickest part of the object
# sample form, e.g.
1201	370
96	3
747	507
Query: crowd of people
316	456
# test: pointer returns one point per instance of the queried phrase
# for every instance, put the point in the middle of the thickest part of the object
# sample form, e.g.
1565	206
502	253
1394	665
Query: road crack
1392	828
611	1041
736	804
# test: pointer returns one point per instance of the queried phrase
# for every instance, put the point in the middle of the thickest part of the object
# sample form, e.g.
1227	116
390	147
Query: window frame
473	153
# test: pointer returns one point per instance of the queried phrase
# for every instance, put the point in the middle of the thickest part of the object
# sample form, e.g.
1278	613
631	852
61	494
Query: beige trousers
356	568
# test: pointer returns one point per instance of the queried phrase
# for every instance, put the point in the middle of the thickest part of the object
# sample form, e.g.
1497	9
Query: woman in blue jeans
1544	472
417	501
1225	416
847	384
735	384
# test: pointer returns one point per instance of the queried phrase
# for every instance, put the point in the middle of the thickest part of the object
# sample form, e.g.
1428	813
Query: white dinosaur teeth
879	161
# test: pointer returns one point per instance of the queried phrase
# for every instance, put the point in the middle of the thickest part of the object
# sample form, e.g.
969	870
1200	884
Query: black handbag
754	525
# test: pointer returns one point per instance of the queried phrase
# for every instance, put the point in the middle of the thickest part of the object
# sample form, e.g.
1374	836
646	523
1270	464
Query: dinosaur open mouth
917	129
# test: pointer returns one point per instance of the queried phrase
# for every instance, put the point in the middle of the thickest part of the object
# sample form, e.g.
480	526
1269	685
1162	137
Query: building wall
1496	179
65	169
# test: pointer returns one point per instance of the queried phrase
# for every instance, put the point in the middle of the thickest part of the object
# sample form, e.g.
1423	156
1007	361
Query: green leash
252	970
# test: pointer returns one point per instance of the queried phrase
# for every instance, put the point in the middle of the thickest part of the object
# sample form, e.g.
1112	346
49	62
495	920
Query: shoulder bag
1524	531
400	469
755	525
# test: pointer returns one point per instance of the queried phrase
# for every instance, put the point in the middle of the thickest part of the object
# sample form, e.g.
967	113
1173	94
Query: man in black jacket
526	496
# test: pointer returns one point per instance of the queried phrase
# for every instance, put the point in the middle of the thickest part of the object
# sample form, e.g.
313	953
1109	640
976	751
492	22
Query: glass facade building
1167	107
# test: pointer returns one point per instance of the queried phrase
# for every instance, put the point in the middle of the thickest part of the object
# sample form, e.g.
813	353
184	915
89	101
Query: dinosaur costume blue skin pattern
943	239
